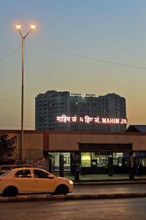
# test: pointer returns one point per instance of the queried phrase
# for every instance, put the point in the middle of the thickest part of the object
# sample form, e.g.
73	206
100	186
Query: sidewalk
106	179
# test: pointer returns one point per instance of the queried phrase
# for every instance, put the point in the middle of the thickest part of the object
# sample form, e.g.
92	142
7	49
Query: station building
96	153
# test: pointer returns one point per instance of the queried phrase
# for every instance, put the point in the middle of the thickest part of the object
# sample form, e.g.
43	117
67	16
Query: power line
77	55
9	54
87	57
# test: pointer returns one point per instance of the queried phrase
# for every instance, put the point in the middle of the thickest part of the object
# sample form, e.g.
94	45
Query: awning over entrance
105	147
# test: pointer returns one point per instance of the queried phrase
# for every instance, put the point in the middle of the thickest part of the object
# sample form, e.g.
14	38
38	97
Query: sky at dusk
81	46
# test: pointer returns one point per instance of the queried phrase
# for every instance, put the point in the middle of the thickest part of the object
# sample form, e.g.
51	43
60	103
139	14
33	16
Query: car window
23	174
4	174
40	174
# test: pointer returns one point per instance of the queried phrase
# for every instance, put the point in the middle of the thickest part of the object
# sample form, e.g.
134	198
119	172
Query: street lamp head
18	26
33	26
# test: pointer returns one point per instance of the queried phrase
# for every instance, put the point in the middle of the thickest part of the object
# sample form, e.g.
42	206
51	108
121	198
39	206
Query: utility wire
11	53
87	57
75	54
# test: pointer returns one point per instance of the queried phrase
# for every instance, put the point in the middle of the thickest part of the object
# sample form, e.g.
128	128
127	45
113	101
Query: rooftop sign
87	119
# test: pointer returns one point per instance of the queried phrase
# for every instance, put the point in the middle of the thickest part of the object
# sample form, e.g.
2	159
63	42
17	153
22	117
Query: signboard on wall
87	120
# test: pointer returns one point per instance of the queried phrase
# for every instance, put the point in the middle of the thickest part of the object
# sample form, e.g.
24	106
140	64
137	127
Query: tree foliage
7	147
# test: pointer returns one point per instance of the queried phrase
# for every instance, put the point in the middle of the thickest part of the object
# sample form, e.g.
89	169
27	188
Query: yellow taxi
33	180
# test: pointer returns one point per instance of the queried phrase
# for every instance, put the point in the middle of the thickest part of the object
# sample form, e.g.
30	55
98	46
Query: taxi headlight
71	182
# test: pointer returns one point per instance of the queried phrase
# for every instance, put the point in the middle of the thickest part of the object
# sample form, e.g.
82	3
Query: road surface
113	209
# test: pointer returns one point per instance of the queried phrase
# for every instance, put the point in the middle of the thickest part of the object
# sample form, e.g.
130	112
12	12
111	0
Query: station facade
88	152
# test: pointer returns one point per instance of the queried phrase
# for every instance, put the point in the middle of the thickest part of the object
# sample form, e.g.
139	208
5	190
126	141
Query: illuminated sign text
87	119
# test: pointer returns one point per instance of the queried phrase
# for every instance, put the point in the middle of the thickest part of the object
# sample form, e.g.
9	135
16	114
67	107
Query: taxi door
43	183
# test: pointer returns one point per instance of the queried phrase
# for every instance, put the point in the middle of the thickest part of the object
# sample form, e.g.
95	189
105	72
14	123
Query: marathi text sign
87	119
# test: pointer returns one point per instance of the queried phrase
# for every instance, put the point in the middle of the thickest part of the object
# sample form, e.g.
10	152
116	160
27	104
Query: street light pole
23	37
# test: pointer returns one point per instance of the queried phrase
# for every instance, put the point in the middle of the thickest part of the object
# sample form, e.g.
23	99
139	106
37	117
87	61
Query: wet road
113	209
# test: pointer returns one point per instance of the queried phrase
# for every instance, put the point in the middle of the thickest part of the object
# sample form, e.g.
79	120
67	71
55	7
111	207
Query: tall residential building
77	113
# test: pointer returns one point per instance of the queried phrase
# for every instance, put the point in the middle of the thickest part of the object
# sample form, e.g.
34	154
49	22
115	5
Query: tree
7	147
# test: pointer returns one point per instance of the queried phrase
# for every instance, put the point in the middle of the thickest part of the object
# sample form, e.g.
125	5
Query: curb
27	198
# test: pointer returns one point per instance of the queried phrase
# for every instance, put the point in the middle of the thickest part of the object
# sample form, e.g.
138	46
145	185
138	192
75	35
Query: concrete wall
35	142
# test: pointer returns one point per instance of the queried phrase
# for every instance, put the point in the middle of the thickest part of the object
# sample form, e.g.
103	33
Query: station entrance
98	159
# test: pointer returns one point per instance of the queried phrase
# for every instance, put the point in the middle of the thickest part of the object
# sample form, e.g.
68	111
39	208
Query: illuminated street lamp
23	37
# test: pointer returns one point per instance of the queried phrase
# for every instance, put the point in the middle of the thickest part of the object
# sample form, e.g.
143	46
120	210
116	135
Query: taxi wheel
62	189
10	191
